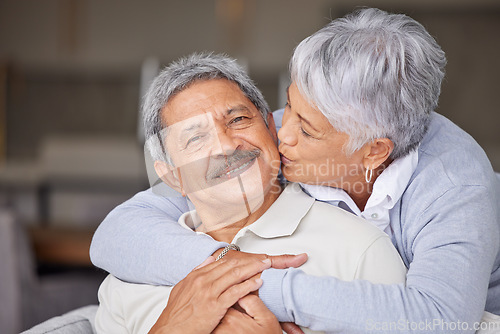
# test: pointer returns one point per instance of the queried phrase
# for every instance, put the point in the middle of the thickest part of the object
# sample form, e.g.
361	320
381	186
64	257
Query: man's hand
256	318
198	302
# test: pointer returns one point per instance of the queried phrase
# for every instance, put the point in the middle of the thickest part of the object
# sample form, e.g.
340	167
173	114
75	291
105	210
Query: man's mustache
222	165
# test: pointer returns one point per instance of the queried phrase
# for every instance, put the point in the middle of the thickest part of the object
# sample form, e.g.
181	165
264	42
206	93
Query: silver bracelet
227	249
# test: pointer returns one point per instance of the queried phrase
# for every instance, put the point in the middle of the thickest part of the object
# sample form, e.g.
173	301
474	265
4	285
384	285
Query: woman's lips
285	160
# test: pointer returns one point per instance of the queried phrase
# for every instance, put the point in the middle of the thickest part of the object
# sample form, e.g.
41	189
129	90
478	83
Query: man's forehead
216	96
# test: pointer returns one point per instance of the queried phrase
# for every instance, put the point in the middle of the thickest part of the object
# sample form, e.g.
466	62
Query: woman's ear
169	175
377	152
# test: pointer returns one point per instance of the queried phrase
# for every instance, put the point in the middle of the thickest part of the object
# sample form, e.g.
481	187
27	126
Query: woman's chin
297	176
291	175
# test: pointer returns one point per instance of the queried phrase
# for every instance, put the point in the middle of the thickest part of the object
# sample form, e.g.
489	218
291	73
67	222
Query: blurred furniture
85	177
61	245
3	110
10	285
79	321
29	298
75	181
54	205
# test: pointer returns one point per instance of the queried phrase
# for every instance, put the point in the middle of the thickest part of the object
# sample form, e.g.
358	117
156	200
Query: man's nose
226	143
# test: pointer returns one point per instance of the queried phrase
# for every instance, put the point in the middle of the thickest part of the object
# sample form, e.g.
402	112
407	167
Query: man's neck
226	232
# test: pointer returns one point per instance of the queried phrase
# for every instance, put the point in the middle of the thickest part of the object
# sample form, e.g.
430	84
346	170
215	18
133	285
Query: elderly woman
359	131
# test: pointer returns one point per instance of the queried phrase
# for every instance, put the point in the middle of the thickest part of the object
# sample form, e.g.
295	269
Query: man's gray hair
373	75
178	76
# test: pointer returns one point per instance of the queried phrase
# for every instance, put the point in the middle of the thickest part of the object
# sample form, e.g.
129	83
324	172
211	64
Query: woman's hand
277	261
256	318
199	302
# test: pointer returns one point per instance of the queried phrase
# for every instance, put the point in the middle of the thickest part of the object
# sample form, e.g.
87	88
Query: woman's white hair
178	76
373	75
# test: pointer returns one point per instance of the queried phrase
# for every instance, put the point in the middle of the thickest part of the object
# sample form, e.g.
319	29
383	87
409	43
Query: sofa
79	321
29	297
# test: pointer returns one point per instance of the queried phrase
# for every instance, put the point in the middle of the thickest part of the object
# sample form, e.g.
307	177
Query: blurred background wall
74	65
70	87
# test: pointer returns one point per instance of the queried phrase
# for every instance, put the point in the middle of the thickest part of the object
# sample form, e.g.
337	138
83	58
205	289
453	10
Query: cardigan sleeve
140	241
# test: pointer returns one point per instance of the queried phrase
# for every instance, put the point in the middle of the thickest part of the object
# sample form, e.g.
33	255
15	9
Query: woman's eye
304	132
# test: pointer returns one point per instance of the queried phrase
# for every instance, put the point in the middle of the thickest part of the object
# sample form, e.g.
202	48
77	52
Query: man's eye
194	139
238	119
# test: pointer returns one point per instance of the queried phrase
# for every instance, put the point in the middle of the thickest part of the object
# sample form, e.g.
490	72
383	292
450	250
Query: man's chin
245	186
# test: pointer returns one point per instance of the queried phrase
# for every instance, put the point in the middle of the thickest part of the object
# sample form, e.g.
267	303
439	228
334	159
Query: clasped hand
215	296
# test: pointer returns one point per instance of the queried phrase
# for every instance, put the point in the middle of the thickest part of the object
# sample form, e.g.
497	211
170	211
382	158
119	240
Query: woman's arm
453	245
140	241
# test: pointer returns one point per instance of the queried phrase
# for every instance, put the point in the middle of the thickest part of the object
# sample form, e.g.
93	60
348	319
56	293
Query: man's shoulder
129	305
337	241
114	286
321	214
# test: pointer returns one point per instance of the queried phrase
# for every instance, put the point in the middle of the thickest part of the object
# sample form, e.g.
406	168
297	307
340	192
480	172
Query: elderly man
215	142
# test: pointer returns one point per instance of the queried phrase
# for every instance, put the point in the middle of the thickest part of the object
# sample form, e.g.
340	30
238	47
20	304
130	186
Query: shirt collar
387	189
390	185
281	219
285	215
331	195
190	220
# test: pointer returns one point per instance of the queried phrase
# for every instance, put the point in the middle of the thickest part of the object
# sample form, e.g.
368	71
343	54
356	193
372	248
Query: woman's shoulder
448	156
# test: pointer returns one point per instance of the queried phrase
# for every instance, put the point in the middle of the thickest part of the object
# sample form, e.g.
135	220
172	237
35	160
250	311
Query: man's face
220	146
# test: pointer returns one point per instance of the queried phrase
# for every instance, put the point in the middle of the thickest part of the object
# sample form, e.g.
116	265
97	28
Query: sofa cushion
79	321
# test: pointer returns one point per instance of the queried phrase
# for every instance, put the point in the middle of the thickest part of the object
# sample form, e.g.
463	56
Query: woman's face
312	150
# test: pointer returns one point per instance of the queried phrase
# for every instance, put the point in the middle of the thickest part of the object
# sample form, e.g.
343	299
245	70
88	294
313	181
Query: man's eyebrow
190	128
237	108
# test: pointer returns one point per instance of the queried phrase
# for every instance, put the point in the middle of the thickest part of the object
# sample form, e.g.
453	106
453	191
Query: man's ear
377	152
169	175
272	127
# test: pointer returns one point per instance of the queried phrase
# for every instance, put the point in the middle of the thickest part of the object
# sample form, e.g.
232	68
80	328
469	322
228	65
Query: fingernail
266	261
259	281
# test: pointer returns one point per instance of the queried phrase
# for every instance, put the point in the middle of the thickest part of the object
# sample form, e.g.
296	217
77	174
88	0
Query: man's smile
236	169
226	168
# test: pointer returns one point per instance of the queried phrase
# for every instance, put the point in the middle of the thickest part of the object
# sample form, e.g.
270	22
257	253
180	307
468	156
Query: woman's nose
286	134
